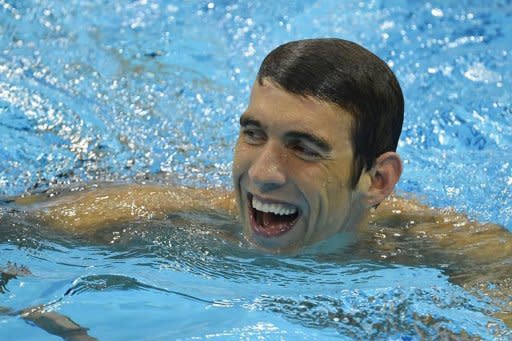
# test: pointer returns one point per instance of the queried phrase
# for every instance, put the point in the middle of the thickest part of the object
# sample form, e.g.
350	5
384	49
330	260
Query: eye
304	151
253	135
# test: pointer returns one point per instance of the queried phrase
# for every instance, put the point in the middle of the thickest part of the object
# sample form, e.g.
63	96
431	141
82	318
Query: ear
383	176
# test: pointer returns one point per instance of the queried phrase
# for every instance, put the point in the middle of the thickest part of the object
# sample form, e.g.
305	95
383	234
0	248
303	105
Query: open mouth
271	219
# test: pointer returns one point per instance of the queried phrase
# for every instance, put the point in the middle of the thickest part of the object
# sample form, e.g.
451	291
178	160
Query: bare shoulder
404	207
472	253
419	218
452	234
101	206
424	217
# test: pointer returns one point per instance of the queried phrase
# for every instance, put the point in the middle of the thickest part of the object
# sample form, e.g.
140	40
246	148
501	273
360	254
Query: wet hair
344	73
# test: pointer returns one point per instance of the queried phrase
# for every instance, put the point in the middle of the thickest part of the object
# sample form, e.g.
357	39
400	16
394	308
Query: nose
267	172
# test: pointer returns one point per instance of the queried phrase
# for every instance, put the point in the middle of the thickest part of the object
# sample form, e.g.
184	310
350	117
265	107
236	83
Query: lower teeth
270	220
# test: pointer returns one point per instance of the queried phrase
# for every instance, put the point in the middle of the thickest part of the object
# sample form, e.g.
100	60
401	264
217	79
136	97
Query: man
317	143
316	152
315	156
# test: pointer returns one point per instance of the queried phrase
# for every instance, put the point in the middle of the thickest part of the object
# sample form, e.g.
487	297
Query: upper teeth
279	209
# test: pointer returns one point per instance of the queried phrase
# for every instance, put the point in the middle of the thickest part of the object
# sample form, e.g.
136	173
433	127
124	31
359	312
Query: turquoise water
112	90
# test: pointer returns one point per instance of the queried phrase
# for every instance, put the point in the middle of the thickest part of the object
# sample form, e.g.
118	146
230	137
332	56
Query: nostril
267	177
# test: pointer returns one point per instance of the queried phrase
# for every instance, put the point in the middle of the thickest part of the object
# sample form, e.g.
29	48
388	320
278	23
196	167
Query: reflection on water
107	90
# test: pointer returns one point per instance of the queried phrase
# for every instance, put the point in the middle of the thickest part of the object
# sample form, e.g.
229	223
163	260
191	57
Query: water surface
94	91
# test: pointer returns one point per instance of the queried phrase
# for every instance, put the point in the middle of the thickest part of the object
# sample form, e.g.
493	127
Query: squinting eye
253	136
305	152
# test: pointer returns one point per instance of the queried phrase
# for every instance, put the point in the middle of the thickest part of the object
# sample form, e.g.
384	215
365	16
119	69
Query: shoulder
396	210
451	233
100	206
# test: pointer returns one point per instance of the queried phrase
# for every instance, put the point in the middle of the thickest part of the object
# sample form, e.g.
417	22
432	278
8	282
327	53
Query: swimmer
315	158
316	151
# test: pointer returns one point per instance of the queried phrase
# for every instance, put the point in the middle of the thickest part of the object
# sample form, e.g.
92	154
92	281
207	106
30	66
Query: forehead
279	109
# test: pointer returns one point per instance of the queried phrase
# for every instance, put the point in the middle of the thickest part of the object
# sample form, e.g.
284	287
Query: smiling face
292	170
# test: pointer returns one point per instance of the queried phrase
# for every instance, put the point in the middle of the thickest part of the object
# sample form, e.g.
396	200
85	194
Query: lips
270	218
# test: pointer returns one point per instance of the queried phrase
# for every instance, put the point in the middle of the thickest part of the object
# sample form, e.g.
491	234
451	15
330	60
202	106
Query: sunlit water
104	90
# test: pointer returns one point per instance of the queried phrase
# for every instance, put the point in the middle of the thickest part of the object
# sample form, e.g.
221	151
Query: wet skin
293	157
297	152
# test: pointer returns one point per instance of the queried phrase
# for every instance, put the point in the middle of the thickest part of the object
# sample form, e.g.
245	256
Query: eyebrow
246	120
321	143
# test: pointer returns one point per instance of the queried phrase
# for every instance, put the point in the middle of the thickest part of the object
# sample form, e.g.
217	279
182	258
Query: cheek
329	184
241	160
316	182
324	177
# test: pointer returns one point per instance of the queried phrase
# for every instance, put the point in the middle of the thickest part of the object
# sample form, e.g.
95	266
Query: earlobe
384	176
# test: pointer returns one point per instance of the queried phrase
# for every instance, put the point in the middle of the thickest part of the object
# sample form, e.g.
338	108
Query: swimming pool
104	91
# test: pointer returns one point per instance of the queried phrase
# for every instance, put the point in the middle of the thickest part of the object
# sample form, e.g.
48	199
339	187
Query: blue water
115	90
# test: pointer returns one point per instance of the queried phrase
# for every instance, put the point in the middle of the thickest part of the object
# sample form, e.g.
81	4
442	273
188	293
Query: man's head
344	73
317	142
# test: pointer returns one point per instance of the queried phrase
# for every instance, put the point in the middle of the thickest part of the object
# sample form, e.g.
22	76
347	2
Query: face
292	169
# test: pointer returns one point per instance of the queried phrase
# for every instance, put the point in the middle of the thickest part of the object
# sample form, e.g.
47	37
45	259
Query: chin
274	246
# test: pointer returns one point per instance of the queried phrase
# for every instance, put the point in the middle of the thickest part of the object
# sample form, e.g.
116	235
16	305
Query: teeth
279	209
